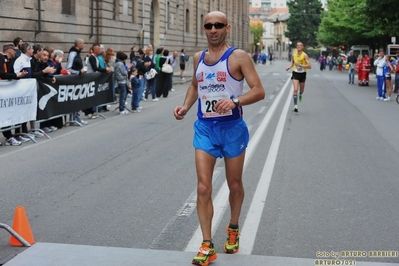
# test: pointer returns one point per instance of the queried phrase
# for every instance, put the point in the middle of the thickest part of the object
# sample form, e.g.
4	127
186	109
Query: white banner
256	3
18	101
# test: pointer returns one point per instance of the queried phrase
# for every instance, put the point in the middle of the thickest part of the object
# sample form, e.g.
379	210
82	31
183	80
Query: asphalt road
324	179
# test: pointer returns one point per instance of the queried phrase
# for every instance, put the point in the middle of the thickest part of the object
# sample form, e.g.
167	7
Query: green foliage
257	30
304	21
348	22
383	15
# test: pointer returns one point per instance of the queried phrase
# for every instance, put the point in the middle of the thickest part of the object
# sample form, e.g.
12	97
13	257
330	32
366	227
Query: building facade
120	24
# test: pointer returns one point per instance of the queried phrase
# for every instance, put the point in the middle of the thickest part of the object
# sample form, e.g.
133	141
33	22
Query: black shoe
296	109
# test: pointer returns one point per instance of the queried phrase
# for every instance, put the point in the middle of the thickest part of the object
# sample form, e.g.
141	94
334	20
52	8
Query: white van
361	49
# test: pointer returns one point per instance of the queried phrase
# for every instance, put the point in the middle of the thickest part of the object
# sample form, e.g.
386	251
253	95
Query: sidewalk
47	254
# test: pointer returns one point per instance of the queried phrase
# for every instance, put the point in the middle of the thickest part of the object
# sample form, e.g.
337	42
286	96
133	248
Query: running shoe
300	98
232	245
206	254
296	108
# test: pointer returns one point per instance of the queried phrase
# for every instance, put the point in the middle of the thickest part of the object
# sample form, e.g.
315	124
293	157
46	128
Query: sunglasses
217	25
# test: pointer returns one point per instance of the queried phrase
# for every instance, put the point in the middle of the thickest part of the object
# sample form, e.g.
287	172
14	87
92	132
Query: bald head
216	15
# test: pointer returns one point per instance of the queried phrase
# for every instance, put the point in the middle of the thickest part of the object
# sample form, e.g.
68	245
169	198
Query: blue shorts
221	139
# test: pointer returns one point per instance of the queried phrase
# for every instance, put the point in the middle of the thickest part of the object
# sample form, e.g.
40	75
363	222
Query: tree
344	23
383	15
304	21
257	30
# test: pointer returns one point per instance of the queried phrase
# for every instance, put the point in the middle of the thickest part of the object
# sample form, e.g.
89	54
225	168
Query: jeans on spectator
135	98
122	96
351	73
141	90
150	88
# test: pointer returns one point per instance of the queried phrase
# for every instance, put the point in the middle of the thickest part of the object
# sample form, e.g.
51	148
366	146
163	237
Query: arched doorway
155	25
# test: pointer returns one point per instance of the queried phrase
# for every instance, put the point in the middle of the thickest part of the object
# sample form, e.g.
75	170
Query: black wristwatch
236	101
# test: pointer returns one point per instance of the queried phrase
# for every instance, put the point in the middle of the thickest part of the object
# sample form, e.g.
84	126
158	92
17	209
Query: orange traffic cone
22	227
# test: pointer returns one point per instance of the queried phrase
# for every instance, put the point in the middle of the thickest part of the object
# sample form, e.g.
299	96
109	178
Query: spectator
366	69
388	69
359	70
75	67
183	60
94	66
163	79
271	57
340	62
255	57
121	79
396	86
54	60
6	72
330	62
142	68
172	60
352	64
30	54
322	62
110	62
151	83
136	83
133	52
18	42
380	63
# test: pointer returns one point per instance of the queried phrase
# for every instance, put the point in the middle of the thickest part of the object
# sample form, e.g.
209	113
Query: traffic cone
22	227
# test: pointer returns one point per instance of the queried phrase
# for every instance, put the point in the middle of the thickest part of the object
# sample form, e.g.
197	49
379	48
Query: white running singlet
216	83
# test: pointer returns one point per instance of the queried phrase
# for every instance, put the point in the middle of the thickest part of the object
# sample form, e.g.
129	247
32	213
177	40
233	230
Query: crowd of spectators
137	79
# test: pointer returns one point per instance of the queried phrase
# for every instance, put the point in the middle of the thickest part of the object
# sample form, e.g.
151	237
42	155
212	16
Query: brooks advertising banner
73	93
18	101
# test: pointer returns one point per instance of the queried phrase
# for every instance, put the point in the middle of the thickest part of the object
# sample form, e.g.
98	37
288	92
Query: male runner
300	62
220	130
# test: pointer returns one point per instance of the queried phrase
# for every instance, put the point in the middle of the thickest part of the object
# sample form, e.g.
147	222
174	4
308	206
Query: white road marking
251	224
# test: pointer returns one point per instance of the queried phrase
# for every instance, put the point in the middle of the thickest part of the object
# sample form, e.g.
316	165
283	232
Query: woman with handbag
163	83
150	81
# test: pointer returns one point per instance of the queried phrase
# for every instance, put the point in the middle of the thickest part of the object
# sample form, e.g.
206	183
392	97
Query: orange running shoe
232	245
206	254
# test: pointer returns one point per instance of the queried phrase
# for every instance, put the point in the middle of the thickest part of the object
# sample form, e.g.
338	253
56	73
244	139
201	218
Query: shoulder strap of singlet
224	56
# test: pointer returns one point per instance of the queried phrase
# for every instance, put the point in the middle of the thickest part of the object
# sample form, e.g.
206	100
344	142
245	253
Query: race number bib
208	102
299	69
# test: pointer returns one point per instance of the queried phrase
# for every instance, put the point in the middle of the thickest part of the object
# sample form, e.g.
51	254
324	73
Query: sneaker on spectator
30	135
89	116
13	142
46	129
36	133
155	100
139	108
172	89
83	122
124	112
53	128
136	111
22	139
144	99
129	95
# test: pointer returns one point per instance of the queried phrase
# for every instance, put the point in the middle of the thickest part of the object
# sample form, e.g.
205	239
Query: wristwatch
236	101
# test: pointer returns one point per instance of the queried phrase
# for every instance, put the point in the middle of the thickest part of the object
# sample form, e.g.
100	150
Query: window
125	8
68	7
116	10
167	15
188	20
135	12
